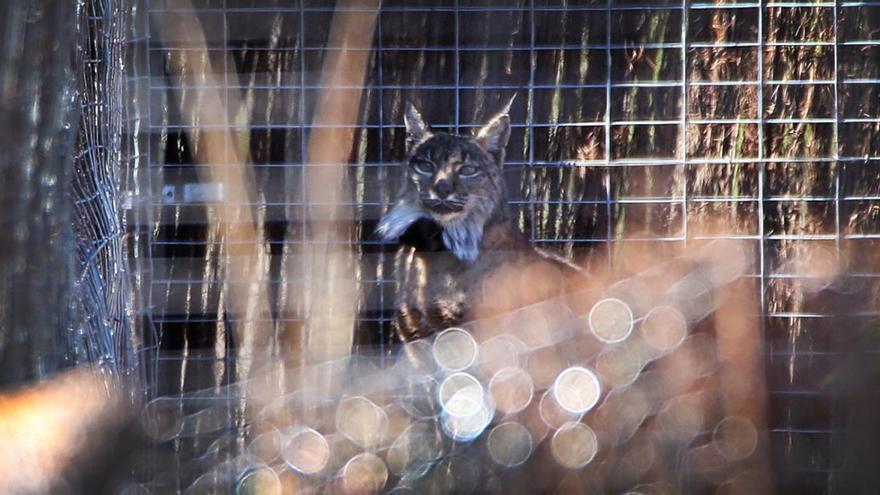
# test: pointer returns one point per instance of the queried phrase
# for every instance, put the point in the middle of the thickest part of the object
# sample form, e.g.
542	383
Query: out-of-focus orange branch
742	387
53	444
206	112
331	304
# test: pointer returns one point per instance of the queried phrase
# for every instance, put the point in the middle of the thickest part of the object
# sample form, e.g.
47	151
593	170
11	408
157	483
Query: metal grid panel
620	118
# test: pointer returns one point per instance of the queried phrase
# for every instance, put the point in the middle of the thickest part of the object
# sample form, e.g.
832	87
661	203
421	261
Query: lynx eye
424	167
468	171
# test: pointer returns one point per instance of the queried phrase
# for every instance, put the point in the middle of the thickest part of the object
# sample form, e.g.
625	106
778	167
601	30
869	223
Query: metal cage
633	121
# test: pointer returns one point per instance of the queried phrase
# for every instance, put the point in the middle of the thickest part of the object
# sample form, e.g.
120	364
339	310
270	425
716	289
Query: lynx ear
416	129
494	135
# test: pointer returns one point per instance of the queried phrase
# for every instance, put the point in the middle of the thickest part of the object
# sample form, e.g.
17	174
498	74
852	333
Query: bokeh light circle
611	320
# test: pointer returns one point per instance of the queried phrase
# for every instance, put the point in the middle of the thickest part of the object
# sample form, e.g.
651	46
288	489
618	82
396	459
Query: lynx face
454	180
453	177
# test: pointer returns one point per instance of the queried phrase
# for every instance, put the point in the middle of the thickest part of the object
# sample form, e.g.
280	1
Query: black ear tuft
506	109
416	129
493	136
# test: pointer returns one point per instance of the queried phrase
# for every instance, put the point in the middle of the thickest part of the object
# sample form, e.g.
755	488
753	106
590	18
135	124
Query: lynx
461	253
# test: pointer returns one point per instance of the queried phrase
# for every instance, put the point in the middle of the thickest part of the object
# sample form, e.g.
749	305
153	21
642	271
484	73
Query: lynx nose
443	188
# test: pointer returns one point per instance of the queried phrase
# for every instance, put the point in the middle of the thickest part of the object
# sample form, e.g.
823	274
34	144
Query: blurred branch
206	112
741	356
332	289
52	444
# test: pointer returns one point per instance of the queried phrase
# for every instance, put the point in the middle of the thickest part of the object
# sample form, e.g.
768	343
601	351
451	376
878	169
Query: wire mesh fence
633	123
102	304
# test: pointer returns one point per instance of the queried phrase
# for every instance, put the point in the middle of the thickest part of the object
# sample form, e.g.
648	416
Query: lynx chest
435	290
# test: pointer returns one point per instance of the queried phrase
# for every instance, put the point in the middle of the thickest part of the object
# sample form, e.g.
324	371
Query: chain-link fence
102	302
